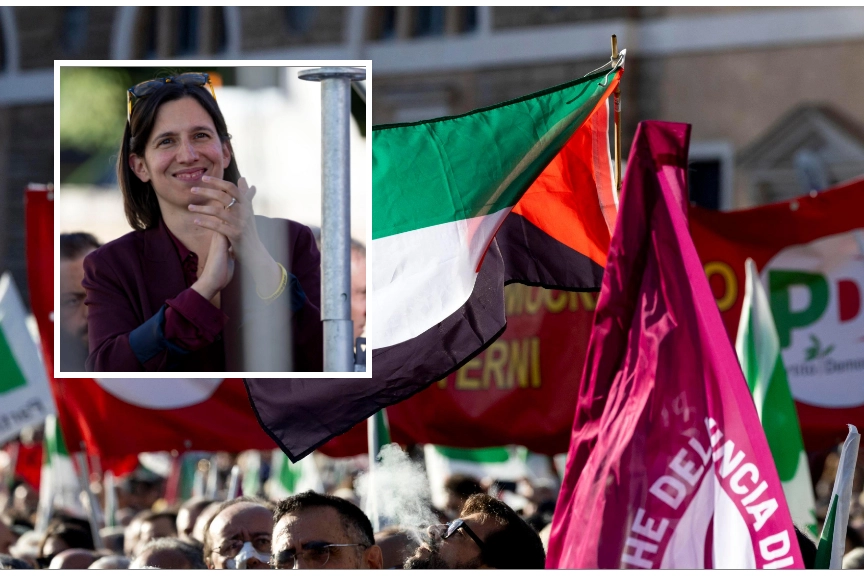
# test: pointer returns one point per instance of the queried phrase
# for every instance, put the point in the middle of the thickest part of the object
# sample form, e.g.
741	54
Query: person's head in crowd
808	548
25	500
113	562
73	313
358	288
63	534
853	538
396	545
7	538
27	547
853	559
459	487
203	519
8	562
347	494
112	539
154	526
142	489
170	554
488	534
188	514
238	535
321	531
73	559
133	532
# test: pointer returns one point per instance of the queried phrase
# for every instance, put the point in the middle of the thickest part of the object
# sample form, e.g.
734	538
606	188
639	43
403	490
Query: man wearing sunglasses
320	531
489	534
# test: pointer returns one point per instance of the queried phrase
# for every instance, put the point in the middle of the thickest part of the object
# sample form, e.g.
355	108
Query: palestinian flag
758	348
832	542
535	171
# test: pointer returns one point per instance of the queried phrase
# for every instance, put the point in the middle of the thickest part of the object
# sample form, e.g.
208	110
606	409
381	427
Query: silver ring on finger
233	201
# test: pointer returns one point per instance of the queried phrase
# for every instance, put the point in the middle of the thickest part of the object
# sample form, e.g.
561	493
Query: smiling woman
168	296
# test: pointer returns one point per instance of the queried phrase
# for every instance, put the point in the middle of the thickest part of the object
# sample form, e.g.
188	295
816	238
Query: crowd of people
306	530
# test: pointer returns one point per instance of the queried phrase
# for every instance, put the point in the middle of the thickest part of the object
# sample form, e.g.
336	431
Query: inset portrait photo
195	207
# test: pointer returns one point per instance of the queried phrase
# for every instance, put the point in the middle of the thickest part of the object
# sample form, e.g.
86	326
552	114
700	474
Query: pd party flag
668	465
536	172
25	399
758	348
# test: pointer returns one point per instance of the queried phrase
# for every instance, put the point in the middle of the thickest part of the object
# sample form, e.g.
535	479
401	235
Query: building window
405	22
3	64
429	21
299	19
167	31
74	33
704	183
710	175
188	23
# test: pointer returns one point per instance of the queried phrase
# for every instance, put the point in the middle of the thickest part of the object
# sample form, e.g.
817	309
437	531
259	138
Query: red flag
39	225
119	417
668	465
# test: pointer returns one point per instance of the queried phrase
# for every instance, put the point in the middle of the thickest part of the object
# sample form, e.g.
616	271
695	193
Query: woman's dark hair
139	199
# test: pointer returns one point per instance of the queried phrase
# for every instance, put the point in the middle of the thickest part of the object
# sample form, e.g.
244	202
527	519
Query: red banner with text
522	389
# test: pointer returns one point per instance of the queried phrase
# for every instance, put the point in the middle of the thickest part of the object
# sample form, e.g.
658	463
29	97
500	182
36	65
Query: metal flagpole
371	487
335	213
92	505
617	107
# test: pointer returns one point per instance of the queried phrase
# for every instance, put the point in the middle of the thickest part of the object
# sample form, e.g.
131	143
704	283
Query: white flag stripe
436	267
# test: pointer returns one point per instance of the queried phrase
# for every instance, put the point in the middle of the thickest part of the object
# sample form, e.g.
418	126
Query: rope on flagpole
617	106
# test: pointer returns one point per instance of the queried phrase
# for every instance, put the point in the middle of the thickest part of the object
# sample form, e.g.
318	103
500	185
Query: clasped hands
234	237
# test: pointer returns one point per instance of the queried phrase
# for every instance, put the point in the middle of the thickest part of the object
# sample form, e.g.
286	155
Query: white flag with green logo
59	488
758	347
288	478
25	398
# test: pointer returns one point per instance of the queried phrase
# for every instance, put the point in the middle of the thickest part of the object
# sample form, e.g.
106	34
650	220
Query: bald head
73	559
170	554
239	521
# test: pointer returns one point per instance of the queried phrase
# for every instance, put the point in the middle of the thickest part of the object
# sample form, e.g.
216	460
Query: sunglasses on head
147	87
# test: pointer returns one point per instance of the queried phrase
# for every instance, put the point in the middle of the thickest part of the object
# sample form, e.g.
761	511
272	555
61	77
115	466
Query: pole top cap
318	74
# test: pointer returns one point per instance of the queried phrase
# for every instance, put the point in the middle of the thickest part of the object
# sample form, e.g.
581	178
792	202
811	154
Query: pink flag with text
668	464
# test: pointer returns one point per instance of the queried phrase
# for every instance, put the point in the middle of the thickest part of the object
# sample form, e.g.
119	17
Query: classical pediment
812	147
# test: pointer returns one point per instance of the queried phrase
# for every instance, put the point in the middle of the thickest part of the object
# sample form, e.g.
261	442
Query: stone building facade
766	89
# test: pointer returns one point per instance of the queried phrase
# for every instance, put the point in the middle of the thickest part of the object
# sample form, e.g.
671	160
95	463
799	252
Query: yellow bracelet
282	283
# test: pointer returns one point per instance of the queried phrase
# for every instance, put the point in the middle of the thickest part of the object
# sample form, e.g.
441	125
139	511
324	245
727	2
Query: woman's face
183	146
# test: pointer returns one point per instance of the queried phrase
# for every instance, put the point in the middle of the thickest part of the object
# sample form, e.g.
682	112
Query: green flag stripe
383	428
452	169
11	376
823	552
479	455
289	475
780	422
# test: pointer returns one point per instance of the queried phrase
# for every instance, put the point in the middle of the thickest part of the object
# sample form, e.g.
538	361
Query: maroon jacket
131	281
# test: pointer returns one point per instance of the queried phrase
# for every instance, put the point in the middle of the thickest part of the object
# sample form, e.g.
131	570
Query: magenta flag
668	464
